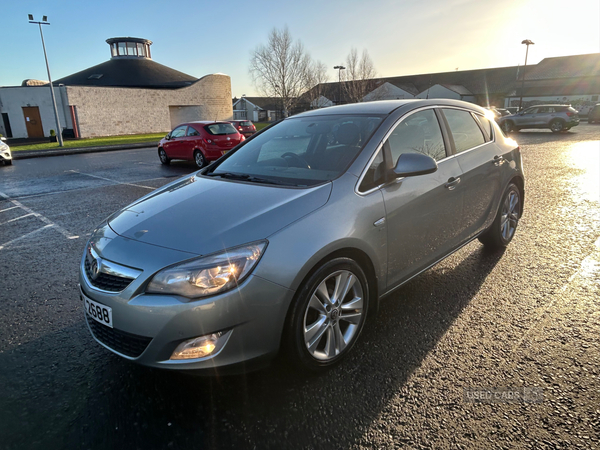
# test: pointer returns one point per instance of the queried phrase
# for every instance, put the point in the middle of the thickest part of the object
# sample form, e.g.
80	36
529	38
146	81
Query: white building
128	94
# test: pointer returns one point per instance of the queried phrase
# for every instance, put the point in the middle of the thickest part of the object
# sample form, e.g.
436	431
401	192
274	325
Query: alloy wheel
333	316
510	215
199	159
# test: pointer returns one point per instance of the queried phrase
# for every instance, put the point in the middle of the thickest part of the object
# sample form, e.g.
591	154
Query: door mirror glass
413	164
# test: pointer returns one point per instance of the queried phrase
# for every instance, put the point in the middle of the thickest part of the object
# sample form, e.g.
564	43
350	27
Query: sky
202	37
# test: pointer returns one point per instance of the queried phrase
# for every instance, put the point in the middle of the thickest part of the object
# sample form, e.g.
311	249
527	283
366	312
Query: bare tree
279	68
359	77
315	77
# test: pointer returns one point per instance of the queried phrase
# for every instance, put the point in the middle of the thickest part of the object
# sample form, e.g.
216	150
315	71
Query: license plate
97	311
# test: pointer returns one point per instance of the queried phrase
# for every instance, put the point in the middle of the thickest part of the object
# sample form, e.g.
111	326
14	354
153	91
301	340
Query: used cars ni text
201	142
285	244
555	117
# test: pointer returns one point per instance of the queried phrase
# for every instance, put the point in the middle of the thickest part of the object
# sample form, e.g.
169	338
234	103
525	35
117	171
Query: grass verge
92	142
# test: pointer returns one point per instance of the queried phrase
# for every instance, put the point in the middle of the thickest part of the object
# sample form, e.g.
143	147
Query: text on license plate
97	311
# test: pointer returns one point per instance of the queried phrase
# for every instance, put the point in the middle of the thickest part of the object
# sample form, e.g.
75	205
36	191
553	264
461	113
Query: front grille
120	341
106	282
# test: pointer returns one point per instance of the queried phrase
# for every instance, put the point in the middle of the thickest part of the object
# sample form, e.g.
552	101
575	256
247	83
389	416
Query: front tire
162	155
502	230
556	126
8	162
199	159
328	315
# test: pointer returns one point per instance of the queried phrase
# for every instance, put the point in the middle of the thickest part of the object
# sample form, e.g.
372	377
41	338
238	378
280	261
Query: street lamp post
58	130
339	69
527	42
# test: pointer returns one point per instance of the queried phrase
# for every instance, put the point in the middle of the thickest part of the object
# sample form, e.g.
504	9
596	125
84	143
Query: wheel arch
520	183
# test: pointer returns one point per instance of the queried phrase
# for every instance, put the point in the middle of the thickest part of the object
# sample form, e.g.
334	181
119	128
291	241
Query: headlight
208	275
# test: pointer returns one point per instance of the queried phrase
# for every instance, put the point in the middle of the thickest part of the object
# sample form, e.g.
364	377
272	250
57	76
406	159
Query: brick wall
104	111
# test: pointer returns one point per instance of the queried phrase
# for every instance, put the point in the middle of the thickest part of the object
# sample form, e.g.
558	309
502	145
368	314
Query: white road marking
43	218
18	218
112	181
7	244
8	209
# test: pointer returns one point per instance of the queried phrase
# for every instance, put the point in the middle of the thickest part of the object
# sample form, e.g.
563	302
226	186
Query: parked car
556	117
245	127
594	114
503	111
5	153
201	142
287	243
512	109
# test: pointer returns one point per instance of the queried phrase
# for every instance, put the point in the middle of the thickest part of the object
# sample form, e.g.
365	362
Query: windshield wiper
245	177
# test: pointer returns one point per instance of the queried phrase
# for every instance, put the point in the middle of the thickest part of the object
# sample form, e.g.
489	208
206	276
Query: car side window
178	132
486	125
418	133
465	132
374	175
192	132
530	111
543	110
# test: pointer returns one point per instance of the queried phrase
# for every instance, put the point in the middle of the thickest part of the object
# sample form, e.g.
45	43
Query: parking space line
43	218
112	181
7	244
8	209
18	218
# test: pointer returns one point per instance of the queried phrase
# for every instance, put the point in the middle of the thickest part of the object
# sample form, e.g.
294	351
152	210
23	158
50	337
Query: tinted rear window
219	129
246	123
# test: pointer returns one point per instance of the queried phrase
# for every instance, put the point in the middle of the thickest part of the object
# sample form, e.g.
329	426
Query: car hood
203	215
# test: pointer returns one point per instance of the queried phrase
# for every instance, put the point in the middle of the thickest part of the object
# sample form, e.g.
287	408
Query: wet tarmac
525	318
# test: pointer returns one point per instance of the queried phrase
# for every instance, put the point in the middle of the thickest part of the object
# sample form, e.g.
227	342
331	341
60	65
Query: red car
201	142
245	127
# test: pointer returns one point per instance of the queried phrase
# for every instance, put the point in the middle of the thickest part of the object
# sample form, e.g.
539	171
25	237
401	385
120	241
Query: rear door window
486	126
465	131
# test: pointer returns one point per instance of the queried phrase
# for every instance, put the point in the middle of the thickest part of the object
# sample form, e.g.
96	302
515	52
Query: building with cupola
128	94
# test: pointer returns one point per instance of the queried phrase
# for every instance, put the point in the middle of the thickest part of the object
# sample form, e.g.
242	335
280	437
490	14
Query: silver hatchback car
285	244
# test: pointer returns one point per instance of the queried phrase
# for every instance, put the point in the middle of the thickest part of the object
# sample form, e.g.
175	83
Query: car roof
549	104
205	122
387	106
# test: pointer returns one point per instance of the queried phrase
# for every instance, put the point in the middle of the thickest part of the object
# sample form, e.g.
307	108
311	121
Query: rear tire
557	126
162	155
8	162
327	316
503	229
199	159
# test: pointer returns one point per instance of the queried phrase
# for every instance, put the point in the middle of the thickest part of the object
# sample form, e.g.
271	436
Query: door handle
498	159
452	182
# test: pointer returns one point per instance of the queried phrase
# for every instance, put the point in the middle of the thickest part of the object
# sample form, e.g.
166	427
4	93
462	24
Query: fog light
201	347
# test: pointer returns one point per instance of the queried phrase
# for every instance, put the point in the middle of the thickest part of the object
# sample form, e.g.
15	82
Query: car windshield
301	151
220	129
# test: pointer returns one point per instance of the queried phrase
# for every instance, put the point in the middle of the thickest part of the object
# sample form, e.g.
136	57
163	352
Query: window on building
131	49
113	49
122	49
418	133
141	50
465	132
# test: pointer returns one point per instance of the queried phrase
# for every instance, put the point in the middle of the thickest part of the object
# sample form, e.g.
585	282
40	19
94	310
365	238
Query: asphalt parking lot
425	374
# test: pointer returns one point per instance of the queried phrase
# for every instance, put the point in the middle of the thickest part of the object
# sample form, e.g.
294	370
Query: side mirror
413	164
2	138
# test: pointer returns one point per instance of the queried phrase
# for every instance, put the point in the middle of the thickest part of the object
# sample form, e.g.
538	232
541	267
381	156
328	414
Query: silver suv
556	117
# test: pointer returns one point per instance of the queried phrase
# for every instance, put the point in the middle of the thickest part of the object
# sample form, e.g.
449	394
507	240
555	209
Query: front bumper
148	327
156	324
5	155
